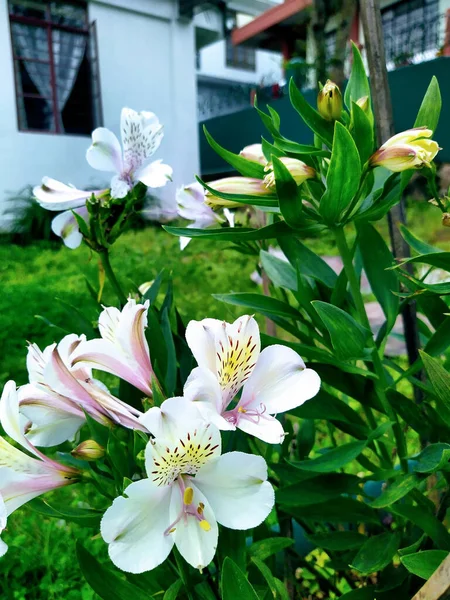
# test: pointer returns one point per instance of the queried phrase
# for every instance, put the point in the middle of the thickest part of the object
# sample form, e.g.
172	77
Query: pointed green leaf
263	304
318	489
440	380
358	84
434	457
279	271
245	167
263	549
338	540
336	510
173	591
430	109
426	522
333	459
396	490
317	124
362	133
288	194
376	553
343	176
418	245
424	564
309	263
235	584
347	336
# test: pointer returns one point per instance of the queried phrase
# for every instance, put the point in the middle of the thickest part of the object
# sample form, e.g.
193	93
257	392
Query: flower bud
254	153
89	450
446	219
235	185
407	150
329	101
364	103
297	168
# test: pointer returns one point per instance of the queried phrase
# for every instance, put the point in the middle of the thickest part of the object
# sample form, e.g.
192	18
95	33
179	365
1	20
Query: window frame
49	25
233	62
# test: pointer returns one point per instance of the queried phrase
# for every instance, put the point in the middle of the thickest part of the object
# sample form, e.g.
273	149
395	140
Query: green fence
408	85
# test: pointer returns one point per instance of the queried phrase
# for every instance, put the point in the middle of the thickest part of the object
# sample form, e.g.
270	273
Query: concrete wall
147	62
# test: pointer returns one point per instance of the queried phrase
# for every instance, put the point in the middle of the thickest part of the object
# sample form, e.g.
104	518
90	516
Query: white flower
191	206
190	488
23	477
229	358
54	195
123	349
142	134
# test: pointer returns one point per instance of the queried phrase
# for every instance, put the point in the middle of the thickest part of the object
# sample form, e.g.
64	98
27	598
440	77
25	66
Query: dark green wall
408	85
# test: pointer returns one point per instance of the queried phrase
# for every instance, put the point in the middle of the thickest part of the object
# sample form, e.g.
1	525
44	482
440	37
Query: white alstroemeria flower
190	488
3	519
142	134
57	397
229	358
23	477
123	349
191	206
54	195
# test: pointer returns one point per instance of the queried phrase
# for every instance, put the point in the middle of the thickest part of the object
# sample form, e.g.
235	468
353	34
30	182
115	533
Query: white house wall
147	62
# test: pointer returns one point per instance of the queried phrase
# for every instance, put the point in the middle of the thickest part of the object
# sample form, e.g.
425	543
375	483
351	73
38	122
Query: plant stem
380	386
104	257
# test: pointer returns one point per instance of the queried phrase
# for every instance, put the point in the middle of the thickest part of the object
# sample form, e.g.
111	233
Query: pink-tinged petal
142	134
280	382
120	186
3	519
66	227
197	544
263	426
191	206
130	334
36	362
105	153
202	388
59	378
155	175
237	489
134	527
54	195
10	417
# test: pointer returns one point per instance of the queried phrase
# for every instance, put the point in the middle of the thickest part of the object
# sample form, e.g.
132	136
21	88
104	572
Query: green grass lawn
47	280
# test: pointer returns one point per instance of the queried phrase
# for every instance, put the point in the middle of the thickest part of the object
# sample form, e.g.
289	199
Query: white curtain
68	51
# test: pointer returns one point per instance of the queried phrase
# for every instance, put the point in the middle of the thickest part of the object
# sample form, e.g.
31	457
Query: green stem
104	257
432	184
381	385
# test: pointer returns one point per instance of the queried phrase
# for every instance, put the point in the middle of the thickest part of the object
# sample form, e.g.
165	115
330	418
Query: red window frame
87	30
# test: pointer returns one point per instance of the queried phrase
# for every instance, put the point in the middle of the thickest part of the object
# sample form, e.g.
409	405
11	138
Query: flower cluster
189	487
131	164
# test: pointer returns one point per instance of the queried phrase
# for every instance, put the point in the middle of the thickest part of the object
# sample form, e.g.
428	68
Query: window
55	66
240	57
411	31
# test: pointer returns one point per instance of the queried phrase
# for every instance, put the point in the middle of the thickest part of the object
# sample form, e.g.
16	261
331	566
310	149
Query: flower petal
155	175
202	388
65	226
142	134
54	195
172	419
265	427
10	417
237	489
105	153
200	336
120	187
197	544
279	382
134	527
3	518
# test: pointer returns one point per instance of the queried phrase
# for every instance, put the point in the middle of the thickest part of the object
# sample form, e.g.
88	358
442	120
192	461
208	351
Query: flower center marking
188	510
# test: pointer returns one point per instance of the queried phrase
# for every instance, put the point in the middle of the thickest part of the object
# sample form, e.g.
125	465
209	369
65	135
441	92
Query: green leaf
318	489
263	304
365	593
333	459
280	272
82	225
288	194
86	517
173	590
246	168
435	457
376	553
320	126
308	263
263	549
362	133
343	176
416	244
384	283
105	582
305	438
441	260
347	336
426	522
336	510
358	84
300	149
235	584
232	234
424	564
267	574
171	373
338	540
430	109
396	490
440	380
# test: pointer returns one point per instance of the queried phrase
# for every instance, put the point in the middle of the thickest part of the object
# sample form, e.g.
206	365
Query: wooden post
438	586
382	104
